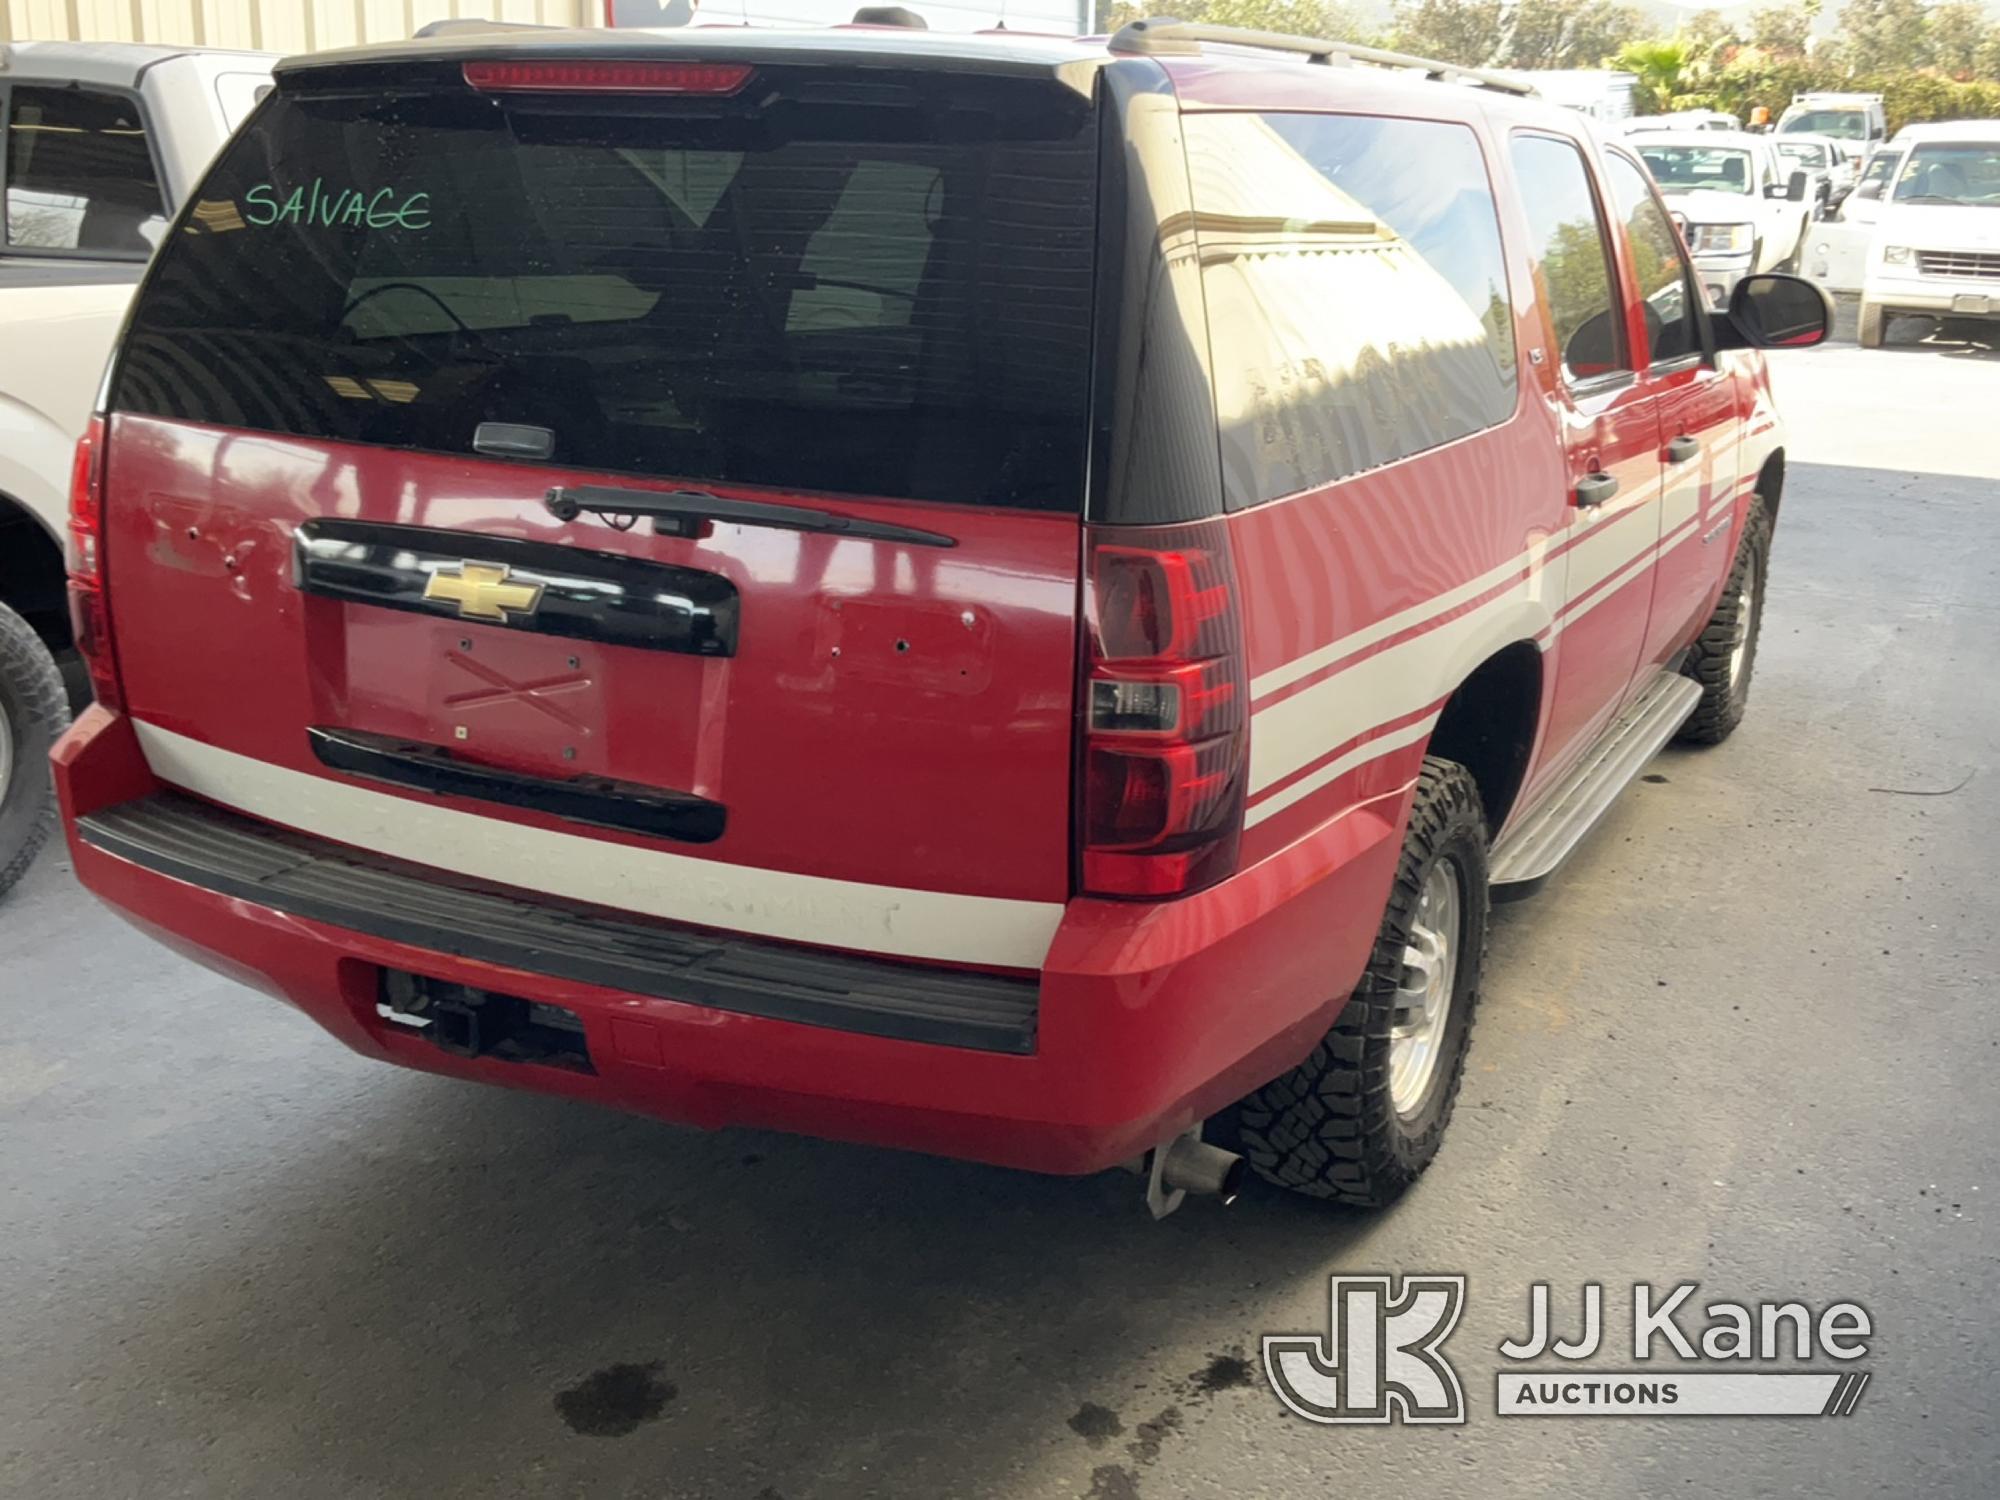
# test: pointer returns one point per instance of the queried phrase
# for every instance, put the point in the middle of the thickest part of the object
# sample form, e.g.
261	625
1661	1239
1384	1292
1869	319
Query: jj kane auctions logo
1382	1358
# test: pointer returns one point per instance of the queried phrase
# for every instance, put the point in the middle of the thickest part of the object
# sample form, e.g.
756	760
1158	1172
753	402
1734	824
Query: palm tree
1658	64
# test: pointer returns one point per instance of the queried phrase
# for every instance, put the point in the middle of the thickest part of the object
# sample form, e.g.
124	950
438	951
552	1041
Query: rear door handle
1595	489
1683	448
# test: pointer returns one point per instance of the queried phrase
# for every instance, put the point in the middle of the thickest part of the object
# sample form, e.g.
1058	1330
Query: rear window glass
1357	296
1842	124
80	175
877	300
1685	169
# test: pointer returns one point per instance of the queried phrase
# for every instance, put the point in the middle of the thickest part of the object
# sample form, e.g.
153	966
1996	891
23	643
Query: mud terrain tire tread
1722	703
1326	1128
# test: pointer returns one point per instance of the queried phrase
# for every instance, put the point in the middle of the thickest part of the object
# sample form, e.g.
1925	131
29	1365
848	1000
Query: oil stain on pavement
1225	1372
615	1400
1095	1424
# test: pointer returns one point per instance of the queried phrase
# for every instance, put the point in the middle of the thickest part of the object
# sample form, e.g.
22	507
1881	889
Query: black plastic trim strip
218	850
680	512
584	594
598	801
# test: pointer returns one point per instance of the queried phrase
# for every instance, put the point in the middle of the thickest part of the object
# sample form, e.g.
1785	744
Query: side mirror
1795	187
1772	311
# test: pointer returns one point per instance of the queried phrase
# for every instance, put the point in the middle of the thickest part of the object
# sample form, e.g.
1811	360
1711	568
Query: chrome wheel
1423	1000
1746	616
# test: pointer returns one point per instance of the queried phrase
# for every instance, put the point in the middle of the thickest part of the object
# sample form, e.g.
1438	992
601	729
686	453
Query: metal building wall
273	25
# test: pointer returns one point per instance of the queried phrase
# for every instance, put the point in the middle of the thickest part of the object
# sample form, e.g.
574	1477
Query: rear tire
1360	1119
1873	320
33	711
1725	653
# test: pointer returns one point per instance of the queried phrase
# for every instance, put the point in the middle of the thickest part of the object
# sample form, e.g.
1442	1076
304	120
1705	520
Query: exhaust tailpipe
1188	1164
1194	1166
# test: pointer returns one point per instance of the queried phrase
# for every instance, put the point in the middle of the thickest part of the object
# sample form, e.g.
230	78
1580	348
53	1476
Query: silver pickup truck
102	143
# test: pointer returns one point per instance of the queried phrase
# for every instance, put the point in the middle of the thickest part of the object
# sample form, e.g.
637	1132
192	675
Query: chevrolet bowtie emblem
482	591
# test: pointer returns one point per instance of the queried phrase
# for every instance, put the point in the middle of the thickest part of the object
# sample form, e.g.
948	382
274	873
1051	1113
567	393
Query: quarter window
1357	297
1664	282
1571	256
79	175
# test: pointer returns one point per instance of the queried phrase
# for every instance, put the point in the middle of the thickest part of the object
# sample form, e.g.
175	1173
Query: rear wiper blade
681	512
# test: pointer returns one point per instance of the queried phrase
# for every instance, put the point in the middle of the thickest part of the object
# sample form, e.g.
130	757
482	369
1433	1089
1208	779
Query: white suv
1936	248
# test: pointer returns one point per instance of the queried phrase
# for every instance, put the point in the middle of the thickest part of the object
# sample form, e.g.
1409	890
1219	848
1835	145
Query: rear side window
1571	256
889	301
1664	278
80	176
1357	296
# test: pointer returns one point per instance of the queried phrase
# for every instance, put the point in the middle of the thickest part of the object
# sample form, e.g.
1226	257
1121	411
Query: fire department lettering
483	591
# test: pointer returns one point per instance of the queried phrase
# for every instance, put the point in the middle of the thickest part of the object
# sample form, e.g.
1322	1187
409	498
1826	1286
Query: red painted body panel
1604	618
874	687
1697	498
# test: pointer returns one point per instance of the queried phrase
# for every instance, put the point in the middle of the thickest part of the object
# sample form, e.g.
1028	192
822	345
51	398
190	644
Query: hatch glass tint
881	292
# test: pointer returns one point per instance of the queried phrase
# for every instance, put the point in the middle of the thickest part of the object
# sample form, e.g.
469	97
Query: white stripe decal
1410	675
1304	666
1305	786
1601	555
1651	559
739	898
1291	734
1605	551
1382	629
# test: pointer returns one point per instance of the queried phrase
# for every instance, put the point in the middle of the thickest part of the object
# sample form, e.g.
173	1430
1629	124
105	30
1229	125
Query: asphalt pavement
1745	1038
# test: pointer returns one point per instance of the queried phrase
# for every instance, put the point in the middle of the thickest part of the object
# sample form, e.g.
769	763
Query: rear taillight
90	620
608	76
1165	722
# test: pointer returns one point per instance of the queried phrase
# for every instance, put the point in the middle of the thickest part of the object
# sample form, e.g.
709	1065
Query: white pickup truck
1741	206
103	141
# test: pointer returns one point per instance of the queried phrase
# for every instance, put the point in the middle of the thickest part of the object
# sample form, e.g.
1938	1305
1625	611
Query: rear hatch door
409	325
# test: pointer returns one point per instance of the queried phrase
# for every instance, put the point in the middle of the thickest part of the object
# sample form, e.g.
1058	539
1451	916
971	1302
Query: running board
1531	850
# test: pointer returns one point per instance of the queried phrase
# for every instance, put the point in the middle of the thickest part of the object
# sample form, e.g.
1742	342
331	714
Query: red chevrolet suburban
996	595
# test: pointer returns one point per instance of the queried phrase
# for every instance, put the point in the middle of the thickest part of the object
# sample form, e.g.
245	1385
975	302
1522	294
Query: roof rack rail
1165	36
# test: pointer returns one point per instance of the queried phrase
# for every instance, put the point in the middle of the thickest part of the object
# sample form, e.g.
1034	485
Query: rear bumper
1144	1018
